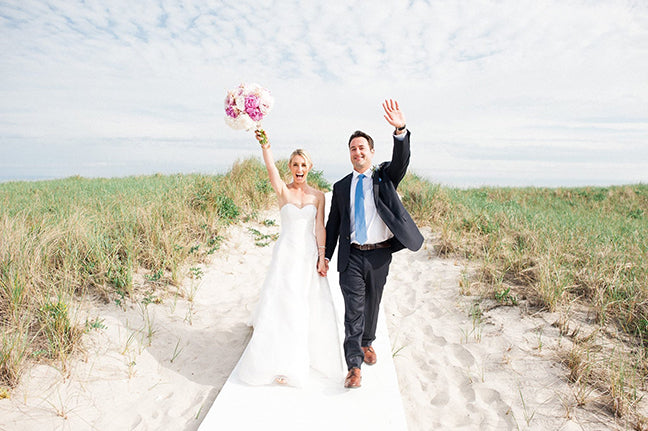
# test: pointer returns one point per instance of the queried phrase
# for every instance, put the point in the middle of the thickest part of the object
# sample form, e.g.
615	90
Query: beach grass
112	240
66	241
557	249
552	245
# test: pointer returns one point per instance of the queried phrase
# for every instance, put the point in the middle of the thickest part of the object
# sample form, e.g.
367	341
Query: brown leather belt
367	247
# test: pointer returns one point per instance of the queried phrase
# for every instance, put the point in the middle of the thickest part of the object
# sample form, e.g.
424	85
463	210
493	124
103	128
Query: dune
459	364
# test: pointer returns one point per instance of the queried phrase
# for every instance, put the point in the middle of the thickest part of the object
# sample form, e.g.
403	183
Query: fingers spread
390	105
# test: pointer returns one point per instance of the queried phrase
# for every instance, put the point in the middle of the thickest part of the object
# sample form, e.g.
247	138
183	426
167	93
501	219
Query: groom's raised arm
397	168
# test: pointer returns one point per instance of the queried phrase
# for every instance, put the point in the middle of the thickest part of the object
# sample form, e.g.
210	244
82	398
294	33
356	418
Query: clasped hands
322	266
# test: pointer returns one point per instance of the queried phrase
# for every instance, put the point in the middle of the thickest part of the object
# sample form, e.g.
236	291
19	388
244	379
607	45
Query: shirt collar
366	173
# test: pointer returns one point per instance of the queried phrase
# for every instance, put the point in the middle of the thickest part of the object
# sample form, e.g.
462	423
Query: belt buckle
369	247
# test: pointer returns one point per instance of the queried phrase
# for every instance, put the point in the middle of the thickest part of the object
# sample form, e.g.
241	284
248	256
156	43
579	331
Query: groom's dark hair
361	134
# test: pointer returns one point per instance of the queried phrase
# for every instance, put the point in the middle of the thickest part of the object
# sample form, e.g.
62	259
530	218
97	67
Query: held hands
394	115
322	266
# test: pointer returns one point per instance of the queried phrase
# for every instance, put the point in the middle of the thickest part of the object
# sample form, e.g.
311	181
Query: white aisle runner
322	405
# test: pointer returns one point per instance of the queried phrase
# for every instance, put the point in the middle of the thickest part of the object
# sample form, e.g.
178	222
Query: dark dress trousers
363	273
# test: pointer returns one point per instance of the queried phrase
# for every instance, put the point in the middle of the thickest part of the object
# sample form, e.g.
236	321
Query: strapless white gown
295	325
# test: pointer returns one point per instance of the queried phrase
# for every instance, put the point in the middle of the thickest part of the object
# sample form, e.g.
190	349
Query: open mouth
299	176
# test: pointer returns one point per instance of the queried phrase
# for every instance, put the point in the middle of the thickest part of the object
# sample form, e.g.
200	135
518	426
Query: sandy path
459	368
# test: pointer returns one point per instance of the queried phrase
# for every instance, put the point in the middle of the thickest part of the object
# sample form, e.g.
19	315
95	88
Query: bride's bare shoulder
317	193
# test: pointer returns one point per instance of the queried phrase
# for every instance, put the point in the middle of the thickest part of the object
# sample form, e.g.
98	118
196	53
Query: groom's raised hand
393	114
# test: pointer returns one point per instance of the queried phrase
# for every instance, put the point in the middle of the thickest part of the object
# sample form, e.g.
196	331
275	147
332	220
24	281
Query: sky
509	92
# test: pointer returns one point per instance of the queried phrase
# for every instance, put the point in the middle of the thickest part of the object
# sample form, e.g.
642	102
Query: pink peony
231	111
255	114
251	101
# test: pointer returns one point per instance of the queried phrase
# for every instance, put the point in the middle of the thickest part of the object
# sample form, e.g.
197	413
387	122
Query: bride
295	326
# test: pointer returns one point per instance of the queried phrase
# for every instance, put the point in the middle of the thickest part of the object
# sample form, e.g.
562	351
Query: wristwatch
400	129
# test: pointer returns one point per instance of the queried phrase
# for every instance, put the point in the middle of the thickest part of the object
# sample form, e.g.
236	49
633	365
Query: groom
371	223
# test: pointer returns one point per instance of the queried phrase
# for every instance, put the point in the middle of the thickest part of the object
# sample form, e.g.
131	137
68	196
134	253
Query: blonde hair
304	154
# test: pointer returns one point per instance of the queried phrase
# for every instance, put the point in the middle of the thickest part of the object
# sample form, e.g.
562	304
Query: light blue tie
360	223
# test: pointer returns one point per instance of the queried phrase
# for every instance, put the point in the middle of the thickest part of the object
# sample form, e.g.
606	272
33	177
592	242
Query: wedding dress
295	325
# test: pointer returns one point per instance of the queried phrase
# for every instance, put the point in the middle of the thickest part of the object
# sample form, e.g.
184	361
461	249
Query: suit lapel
376	185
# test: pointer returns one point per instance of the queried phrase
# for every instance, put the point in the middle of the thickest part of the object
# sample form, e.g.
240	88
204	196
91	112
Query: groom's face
361	154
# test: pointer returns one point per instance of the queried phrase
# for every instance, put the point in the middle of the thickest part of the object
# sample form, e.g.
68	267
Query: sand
160	366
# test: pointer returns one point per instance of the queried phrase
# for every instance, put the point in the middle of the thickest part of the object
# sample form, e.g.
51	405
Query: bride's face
299	169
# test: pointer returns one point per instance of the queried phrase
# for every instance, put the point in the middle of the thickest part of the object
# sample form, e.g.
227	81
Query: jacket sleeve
397	168
332	226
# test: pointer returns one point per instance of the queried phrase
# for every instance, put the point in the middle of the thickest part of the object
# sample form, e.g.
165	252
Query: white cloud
490	74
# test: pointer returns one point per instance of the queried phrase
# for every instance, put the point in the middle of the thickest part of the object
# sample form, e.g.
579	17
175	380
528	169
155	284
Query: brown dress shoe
369	355
353	379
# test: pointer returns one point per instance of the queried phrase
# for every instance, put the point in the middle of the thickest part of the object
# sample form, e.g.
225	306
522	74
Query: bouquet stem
264	138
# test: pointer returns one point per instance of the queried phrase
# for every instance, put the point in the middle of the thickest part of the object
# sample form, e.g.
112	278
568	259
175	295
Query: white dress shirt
377	230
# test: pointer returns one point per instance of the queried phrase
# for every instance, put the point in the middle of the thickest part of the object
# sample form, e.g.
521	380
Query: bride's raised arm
273	173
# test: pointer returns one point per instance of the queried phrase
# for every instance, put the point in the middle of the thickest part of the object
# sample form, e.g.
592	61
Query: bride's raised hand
262	137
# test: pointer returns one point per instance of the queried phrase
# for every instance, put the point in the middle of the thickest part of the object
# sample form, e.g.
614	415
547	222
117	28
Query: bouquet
246	106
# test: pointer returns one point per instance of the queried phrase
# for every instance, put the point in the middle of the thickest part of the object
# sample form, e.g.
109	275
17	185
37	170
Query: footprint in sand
432	338
490	396
441	383
137	421
462	355
496	405
441	399
408	305
467	391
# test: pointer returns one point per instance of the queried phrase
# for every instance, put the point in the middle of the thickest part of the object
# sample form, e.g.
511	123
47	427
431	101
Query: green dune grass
559	245
68	240
559	250
75	238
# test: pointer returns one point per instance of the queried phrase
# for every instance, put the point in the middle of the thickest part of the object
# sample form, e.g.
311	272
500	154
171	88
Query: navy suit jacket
388	204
